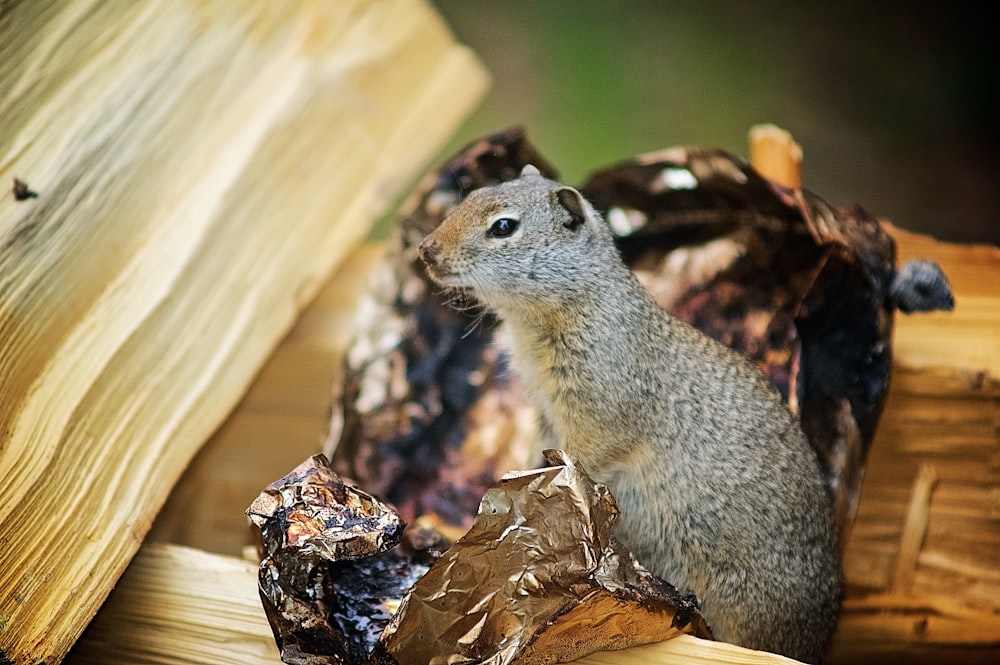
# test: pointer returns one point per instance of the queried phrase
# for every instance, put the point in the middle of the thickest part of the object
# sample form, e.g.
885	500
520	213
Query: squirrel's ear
530	169
572	201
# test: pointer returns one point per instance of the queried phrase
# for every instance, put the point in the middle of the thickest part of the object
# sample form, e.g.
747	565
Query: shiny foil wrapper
314	514
332	574
537	579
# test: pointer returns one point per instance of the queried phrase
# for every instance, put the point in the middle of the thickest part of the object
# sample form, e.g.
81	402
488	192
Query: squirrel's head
529	240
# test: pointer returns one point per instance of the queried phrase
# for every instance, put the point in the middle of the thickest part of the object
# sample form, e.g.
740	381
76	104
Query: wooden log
686	650
922	557
200	168
181	605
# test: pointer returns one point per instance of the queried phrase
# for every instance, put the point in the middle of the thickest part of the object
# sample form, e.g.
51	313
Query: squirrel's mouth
451	280
446	278
438	272
438	269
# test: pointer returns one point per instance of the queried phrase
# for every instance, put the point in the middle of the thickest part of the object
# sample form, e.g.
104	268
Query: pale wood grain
180	605
201	168
686	650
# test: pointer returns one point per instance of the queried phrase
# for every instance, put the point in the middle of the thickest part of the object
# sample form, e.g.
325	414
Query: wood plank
180	605
281	421
686	650
943	412
201	168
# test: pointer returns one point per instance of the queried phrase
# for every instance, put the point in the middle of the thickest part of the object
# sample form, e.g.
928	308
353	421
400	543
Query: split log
185	176
921	563
184	606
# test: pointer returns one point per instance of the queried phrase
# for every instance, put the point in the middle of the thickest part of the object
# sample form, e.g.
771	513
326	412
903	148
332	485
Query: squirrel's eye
501	228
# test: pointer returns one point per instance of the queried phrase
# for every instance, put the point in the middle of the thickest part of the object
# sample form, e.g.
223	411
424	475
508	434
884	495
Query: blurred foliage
893	102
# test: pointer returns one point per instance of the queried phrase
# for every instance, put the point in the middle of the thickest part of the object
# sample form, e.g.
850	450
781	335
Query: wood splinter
914	529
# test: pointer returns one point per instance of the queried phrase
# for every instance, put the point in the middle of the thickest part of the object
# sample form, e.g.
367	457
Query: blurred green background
894	103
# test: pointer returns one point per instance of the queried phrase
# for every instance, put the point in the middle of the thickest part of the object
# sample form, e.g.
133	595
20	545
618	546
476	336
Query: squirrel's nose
429	252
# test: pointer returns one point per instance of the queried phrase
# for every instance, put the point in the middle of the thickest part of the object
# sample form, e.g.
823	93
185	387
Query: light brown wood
282	420
686	650
920	564
184	606
201	167
914	530
776	155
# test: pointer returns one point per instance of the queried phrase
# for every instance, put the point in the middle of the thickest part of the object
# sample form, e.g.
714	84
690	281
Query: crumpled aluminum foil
537	579
332	575
314	513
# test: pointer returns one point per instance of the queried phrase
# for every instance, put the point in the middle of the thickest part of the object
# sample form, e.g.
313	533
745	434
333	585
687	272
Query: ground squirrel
719	491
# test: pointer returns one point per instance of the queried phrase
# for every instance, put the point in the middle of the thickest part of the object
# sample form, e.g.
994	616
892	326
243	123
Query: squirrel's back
719	491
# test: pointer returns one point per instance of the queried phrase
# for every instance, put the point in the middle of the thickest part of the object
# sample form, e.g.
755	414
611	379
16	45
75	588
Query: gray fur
719	491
